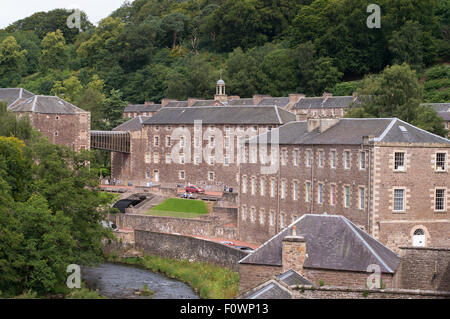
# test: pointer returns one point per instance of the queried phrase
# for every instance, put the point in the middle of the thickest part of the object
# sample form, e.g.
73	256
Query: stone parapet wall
189	248
330	292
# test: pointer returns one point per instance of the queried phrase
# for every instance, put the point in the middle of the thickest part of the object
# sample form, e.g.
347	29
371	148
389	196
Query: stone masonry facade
356	181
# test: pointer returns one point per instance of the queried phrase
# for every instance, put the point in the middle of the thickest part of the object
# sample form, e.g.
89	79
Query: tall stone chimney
327	95
191	101
293	252
258	98
322	124
164	102
295	97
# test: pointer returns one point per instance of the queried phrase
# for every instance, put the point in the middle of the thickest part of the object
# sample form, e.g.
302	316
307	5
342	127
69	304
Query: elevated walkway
114	141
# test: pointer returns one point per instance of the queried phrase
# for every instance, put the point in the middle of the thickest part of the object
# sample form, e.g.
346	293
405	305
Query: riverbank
208	281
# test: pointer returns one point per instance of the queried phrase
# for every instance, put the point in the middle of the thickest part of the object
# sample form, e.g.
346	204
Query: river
121	282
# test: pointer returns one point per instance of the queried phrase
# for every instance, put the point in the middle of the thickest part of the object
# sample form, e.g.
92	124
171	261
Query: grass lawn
178	207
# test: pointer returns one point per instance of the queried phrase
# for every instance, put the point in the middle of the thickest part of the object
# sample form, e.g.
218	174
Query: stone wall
424	268
208	226
190	248
343	278
252	275
329	292
71	130
419	181
269	209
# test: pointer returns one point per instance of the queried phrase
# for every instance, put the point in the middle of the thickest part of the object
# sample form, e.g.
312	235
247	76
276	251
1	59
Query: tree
54	55
91	100
396	92
406	45
174	24
12	62
325	76
112	109
11	125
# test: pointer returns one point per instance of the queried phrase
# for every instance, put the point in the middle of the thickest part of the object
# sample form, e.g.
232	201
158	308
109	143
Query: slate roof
142	108
278	101
10	95
351	131
205	103
291	277
269	290
134	124
222	115
243	102
332	242
321	102
445	115
177	104
439	107
45	105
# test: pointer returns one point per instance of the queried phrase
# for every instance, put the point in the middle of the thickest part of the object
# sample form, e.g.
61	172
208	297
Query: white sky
13	10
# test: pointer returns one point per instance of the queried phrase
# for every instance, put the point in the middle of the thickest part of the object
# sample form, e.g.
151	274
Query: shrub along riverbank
208	281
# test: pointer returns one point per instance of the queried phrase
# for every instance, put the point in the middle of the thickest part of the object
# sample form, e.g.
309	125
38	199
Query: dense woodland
150	49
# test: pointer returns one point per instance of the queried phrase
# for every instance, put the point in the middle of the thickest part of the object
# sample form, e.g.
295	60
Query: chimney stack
164	102
295	97
191	101
293	252
322	124
149	103
327	95
258	98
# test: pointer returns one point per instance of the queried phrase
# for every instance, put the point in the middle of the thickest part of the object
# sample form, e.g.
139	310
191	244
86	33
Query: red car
194	189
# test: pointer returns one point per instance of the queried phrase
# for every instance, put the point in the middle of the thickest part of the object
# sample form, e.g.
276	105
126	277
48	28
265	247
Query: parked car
228	243
194	189
245	248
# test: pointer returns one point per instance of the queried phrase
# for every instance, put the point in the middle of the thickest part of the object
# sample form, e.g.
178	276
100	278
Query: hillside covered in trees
150	49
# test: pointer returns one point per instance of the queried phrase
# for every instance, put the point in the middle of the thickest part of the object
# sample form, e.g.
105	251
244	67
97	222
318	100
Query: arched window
419	238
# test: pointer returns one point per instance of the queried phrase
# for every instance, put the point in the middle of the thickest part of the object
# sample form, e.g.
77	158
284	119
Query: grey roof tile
332	242
45	105
177	104
439	107
222	115
278	101
10	95
142	108
291	277
445	115
134	124
321	102
351	131
269	290
241	102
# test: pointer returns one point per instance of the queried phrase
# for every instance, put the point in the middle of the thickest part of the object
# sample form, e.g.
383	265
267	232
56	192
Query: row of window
399	193
212	128
346	191
182	159
253	216
181	175
347	160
